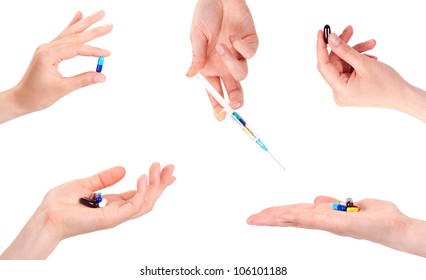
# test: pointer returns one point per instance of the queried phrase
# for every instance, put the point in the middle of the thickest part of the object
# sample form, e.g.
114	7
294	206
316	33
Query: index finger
77	26
328	71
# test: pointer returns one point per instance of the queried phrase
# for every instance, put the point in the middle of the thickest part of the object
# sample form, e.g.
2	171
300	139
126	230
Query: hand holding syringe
235	116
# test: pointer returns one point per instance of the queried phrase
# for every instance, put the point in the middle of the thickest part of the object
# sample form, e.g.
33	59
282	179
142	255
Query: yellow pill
352	209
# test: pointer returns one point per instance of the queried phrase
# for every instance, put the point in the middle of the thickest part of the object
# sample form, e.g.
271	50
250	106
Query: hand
223	37
378	221
360	80
43	84
60	214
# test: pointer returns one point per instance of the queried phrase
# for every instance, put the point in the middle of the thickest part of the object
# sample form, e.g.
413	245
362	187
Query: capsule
103	203
339	207
100	64
98	197
352	209
88	202
349	202
327	31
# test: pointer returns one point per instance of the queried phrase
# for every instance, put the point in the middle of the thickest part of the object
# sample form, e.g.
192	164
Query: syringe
235	116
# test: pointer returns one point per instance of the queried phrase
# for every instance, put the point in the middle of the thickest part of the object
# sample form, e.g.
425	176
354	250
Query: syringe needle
276	160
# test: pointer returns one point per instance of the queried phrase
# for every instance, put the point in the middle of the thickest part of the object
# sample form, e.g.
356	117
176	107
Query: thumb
325	199
345	52
199	44
247	46
83	80
105	178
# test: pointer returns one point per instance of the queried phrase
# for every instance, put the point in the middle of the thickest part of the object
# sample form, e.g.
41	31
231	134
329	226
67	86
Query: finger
217	108
345	52
272	216
159	180
133	206
166	176
328	71
77	17
154	174
237	67
67	51
82	80
235	92
105	178
199	44
91	34
247	46
371	56
325	199
365	46
347	33
81	25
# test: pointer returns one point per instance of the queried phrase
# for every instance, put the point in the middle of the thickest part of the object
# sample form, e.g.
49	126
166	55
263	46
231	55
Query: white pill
103	203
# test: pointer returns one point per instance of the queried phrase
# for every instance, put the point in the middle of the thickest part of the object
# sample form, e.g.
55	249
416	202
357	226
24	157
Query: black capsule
88	202
327	31
349	202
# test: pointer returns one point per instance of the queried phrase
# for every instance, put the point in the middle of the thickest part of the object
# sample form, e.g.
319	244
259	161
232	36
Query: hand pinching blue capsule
100	64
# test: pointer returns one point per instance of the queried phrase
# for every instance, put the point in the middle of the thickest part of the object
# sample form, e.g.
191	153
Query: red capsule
88	202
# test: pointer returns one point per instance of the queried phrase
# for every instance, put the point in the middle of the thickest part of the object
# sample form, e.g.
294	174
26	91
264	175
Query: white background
149	111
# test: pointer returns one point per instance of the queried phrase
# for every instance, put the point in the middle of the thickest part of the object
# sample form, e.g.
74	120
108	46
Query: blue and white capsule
98	197
339	207
100	64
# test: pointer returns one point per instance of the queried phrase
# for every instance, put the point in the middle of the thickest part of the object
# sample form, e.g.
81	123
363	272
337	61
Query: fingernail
99	79
220	114
220	49
235	105
107	25
334	39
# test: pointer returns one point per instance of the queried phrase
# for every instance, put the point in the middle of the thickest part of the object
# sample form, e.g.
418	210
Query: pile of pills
94	201
347	207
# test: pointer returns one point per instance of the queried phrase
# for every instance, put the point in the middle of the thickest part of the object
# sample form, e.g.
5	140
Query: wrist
9	107
414	102
414	241
37	239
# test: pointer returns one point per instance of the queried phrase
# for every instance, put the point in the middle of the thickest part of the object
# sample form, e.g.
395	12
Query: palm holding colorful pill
379	221
42	84
223	37
60	214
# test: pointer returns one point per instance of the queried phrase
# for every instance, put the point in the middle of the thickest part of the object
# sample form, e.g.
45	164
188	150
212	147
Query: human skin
42	84
378	221
60	215
361	80
223	37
